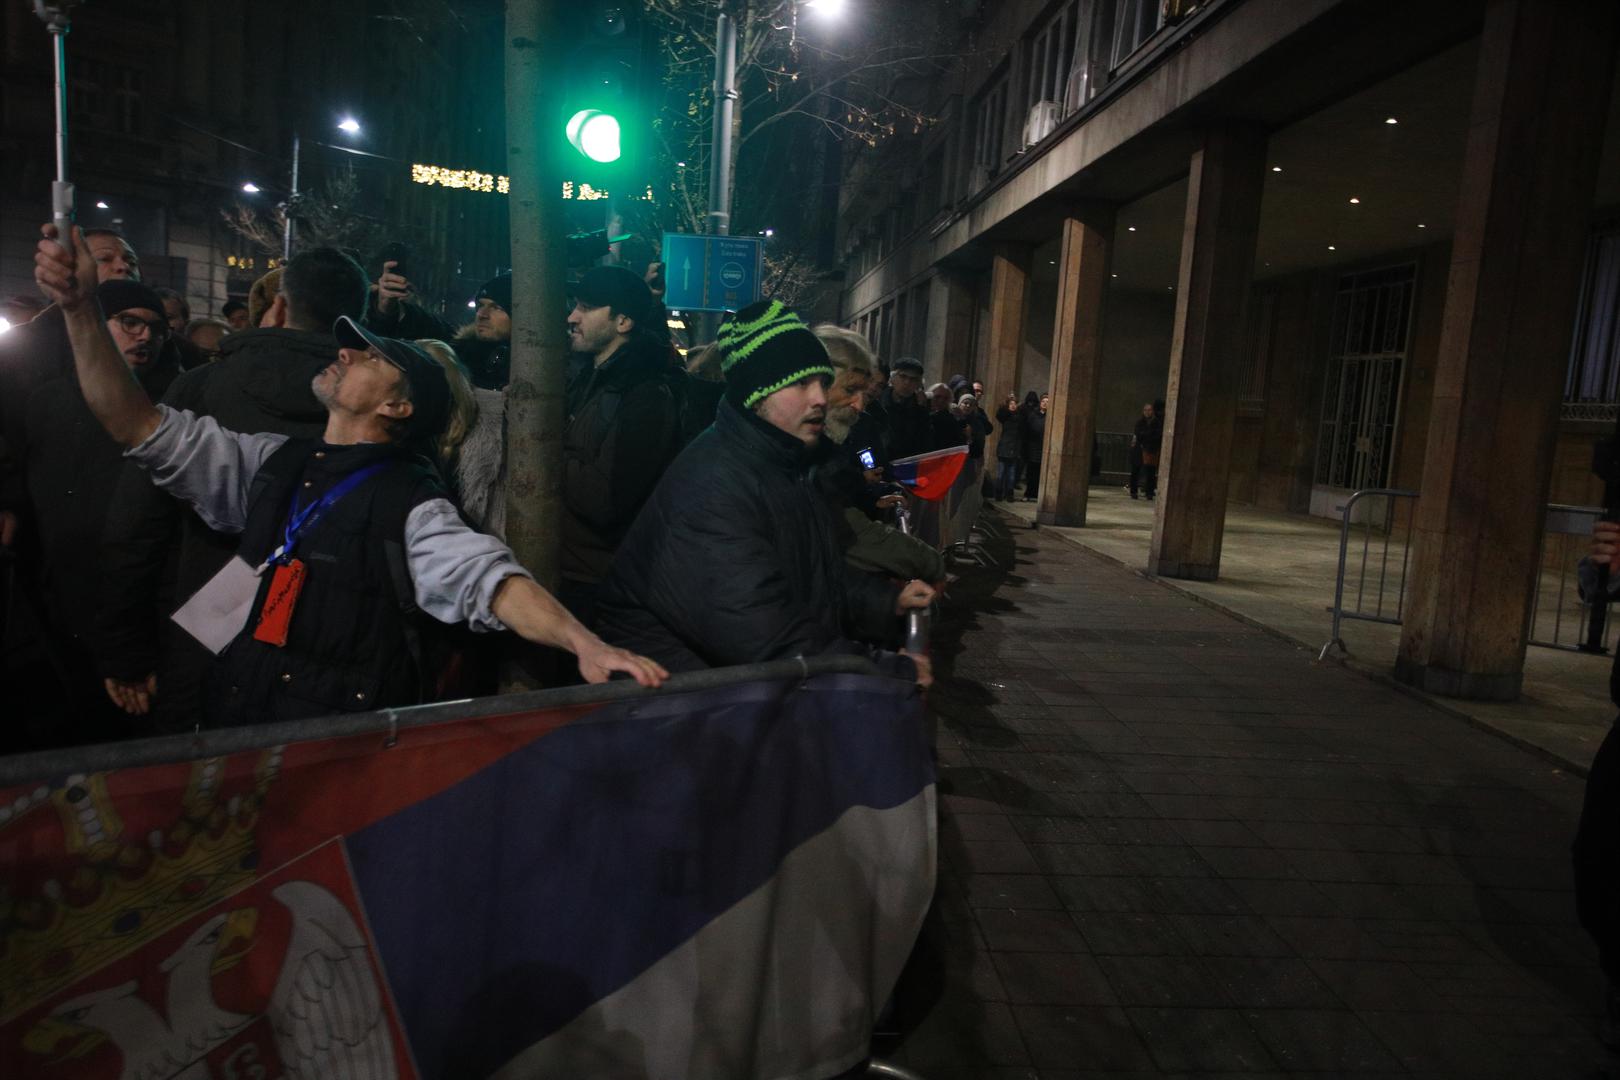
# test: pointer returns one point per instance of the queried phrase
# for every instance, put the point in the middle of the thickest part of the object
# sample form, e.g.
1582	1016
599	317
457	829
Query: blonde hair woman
472	451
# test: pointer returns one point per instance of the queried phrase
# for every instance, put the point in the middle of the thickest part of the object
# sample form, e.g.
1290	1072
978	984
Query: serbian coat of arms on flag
716	883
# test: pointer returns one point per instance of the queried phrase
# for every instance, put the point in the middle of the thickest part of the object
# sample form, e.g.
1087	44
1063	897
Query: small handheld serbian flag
930	475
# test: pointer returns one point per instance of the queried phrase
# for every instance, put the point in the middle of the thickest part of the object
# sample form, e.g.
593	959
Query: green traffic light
595	134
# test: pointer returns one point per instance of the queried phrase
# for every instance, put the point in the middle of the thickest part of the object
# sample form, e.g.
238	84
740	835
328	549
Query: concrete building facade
1353	244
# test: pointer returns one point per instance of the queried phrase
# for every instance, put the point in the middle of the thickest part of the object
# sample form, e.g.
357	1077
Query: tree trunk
534	397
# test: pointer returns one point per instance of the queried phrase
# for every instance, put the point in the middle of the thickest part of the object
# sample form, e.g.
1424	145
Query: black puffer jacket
623	431
734	560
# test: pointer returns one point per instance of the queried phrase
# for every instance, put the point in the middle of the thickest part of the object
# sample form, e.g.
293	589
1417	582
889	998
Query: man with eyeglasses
68	467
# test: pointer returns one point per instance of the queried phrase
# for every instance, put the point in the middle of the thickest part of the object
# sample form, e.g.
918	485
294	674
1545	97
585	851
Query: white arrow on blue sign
712	273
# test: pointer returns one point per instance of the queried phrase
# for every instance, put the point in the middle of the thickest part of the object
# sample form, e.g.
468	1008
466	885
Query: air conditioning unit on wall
1043	120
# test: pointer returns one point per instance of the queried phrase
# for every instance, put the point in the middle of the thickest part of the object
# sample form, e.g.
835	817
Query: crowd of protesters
298	509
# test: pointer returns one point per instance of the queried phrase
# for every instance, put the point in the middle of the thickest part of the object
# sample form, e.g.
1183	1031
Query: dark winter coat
62	468
1033	431
906	427
1149	434
623	431
734	560
488	363
1011	445
157	552
979	428
408	320
945	430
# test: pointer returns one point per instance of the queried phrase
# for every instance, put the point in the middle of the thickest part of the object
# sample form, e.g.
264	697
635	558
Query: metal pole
55	17
287	231
917	622
1338	585
725	100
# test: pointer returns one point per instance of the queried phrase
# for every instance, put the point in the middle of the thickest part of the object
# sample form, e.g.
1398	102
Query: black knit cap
121	294
498	289
617	289
765	348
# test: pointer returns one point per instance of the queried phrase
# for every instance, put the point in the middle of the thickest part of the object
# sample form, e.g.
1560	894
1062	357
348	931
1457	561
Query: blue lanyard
302	520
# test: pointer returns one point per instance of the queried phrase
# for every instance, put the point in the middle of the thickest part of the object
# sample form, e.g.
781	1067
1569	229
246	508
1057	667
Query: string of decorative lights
473	180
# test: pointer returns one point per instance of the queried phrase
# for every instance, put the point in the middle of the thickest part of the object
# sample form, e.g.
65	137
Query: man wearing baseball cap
346	540
734	559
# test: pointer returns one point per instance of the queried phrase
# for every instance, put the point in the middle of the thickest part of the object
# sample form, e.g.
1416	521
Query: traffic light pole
725	101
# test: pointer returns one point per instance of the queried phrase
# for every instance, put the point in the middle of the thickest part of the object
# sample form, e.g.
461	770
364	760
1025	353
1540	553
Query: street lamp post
349	126
287	228
725	101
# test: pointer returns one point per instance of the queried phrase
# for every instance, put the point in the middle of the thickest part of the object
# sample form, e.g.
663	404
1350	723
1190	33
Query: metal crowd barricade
947	521
1365	509
1114	455
1375	590
964	503
1561	614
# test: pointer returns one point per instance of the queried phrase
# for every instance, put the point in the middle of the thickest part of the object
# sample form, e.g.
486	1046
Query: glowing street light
827	9
250	188
349	125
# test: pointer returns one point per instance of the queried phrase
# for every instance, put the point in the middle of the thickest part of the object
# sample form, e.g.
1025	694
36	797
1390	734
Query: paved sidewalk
1174	845
1278	570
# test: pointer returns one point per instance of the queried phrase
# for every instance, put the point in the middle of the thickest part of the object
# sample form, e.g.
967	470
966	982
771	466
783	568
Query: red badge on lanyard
275	618
276	615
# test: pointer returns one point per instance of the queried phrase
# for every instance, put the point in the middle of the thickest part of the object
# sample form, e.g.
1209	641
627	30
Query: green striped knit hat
765	348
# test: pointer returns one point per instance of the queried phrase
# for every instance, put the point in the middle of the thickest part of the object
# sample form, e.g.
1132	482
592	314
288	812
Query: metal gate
1361	394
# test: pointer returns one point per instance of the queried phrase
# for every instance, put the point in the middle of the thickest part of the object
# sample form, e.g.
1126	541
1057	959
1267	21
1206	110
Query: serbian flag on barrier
708	884
930	475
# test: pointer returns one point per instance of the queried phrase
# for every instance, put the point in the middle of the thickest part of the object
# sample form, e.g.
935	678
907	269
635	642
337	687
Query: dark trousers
1006	479
1144	477
1032	479
1597	855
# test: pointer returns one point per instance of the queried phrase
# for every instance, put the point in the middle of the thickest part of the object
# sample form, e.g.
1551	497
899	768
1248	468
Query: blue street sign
712	273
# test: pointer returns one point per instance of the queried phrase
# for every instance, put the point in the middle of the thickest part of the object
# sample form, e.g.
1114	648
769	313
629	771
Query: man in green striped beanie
735	559
765	352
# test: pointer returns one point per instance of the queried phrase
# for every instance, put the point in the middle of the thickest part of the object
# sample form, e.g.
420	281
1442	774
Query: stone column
1076	365
1217	263
948	337
1523	221
1009	306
